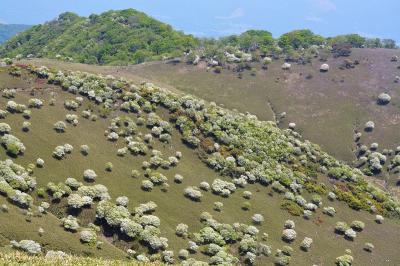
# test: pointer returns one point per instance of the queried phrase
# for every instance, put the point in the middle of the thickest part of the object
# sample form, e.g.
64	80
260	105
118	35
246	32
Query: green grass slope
270	148
114	37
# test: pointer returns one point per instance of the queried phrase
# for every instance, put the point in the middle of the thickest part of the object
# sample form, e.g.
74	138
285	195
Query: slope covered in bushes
169	177
114	37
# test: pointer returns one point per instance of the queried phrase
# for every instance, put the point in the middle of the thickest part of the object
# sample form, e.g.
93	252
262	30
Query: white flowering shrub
350	234
12	145
289	224
329	211
113	136
60	126
247	194
182	230
35	103
77	201
379	219
357	225
289	235
306	243
89	175
70	223
193	193
223	188
218	206
21	198
257	218
384	98
29	246
59	152
178	178
3	114
84	149
4	128
204	186
26	126
147	185
369	247
71	105
324	68
88	236
144	208
122	201
369	126
345	260
14	107
341	227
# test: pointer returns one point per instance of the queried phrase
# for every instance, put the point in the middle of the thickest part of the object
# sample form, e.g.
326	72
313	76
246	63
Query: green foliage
300	39
291	207
114	37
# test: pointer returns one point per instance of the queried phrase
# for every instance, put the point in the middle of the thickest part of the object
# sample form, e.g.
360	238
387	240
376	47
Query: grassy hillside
9	30
328	108
114	37
271	161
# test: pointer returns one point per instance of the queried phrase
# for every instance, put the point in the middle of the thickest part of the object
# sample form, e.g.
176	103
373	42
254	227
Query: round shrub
147	185
358	225
384	98
369	247
182	230
306	243
289	235
193	193
70	223
218	206
85	149
178	179
122	201
257	218
345	260
60	126
88	236
89	175
289	224
369	126
324	68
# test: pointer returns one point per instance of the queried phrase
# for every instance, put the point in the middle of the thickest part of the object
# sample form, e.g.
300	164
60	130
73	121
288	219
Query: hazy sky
371	18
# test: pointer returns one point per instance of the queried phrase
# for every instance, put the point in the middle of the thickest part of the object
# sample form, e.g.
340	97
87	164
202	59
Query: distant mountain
9	30
114	37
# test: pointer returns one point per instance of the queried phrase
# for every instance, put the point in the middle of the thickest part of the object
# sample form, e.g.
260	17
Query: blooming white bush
12	144
147	185
324	68
123	201
112	136
289	224
286	66
341	227
369	126
218	206
257	218
78	201
88	236
59	152
85	149
178	179
60	126
223	188
204	186
247	194
35	103
89	175
384	98
28	246
379	219
350	234
289	234
70	223
182	230
306	243
357	225
145	208
26	126
193	193
345	260
55	254
369	247
329	211
4	128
